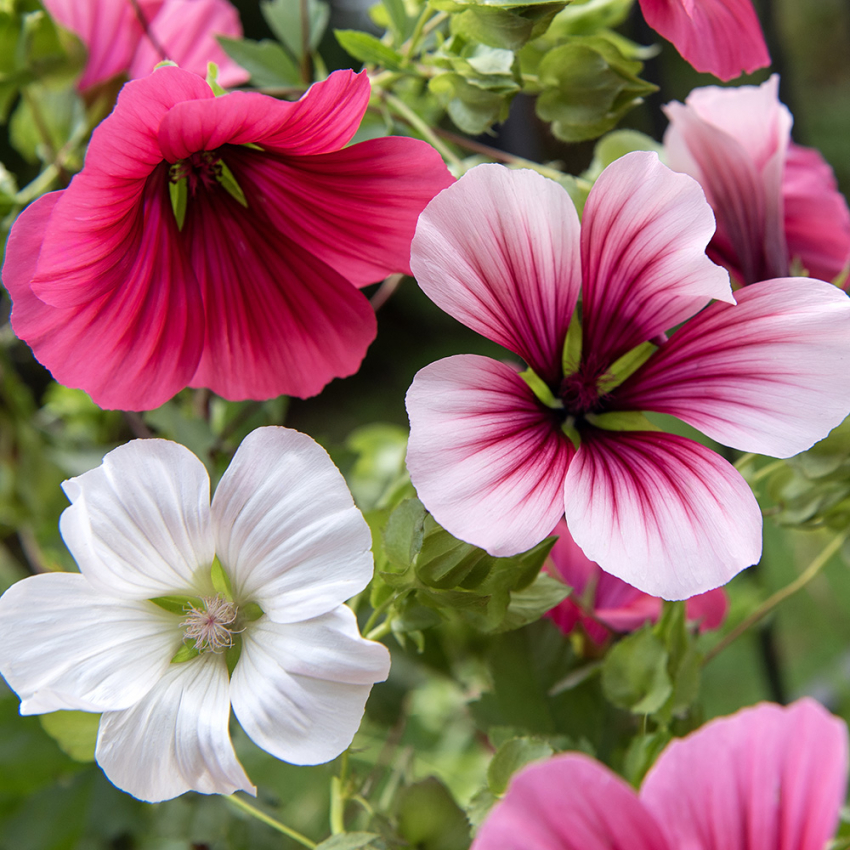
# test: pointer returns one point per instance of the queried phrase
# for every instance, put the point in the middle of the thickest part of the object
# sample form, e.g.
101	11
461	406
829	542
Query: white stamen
210	627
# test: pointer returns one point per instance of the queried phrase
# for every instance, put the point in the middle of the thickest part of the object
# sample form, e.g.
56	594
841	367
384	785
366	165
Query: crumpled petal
487	459
299	689
175	739
767	777
499	251
63	645
770	375
663	513
287	530
139	524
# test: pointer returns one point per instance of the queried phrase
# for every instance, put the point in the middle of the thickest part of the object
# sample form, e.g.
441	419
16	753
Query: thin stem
405	112
413	42
373	617
385	291
377	633
163	54
306	64
270	821
780	596
765	471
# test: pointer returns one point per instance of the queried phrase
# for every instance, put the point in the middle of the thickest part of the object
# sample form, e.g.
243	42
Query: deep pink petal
569	802
769	375
499	251
720	37
766	778
487	460
663	513
323	120
817	221
708	609
643	239
186	30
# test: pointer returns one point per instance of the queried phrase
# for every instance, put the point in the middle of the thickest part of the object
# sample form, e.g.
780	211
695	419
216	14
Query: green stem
270	821
413	42
376	634
743	460
405	112
373	617
780	596
765	471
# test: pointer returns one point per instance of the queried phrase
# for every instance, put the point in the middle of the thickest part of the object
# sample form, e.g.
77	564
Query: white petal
139	524
286	527
176	739
299	690
63	645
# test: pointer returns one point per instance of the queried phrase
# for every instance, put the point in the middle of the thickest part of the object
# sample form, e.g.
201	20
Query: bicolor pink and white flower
601	603
217	242
776	203
170	586
132	36
494	460
720	37
767	777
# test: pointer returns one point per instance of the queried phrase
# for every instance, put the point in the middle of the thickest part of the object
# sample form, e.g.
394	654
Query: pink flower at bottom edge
767	777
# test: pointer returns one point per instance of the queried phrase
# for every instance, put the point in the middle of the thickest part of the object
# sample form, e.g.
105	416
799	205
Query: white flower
291	546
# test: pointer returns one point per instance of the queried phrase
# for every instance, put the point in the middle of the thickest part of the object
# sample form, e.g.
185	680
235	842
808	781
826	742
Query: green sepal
185	653
176	604
250	612
232	654
229	184
221	581
166	63
571	354
212	79
178	191
541	390
626	366
571	431
621	420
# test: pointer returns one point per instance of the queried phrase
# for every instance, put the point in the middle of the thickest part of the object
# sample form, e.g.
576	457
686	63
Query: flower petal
175	739
720	37
299	689
663	513
486	458
139	524
569	802
643	239
770	375
765	778
499	251
287	530
63	645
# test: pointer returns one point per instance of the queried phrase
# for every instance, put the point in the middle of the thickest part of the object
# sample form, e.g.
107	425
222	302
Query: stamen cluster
211	627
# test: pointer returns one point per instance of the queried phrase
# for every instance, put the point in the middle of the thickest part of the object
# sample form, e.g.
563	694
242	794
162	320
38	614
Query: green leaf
531	604
353	841
635	676
510	757
379	476
444	561
473	109
616	144
642	753
266	61
404	533
401	24
368	49
284	20
74	731
430	819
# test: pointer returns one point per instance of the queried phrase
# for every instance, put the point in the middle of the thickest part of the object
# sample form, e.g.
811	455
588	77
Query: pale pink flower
775	201
255	295
120	42
601	603
503	252
720	37
766	778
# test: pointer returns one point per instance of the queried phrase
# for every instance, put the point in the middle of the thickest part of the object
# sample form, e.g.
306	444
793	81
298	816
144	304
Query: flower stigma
211	627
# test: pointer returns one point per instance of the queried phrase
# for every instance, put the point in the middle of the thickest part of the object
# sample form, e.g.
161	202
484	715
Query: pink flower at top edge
614	605
720	37
255	296
775	202
119	42
767	777
503	252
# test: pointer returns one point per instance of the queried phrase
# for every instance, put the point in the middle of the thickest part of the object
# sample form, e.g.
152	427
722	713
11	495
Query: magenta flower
503	252
253	293
601	603
763	779
720	37
775	201
119	41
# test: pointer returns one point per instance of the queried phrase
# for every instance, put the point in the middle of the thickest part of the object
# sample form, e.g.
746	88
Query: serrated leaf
635	676
266	61
74	731
368	49
512	756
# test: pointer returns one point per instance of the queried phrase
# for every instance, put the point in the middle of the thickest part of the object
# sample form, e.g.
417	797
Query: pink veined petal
661	512
63	645
175	739
720	37
139	524
499	251
135	346
817	221
770	375
766	778
644	268
487	460
287	530
187	30
299	690
569	802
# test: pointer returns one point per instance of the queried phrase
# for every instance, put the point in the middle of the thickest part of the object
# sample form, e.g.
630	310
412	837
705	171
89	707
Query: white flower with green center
183	609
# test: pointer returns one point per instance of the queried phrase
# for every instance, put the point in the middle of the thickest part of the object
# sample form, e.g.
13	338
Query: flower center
211	627
203	168
579	391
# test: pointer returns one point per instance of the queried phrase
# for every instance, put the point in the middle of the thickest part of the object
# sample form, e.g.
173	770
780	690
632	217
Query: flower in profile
766	777
173	591
132	36
217	242
720	37
601	603
776	203
498	457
